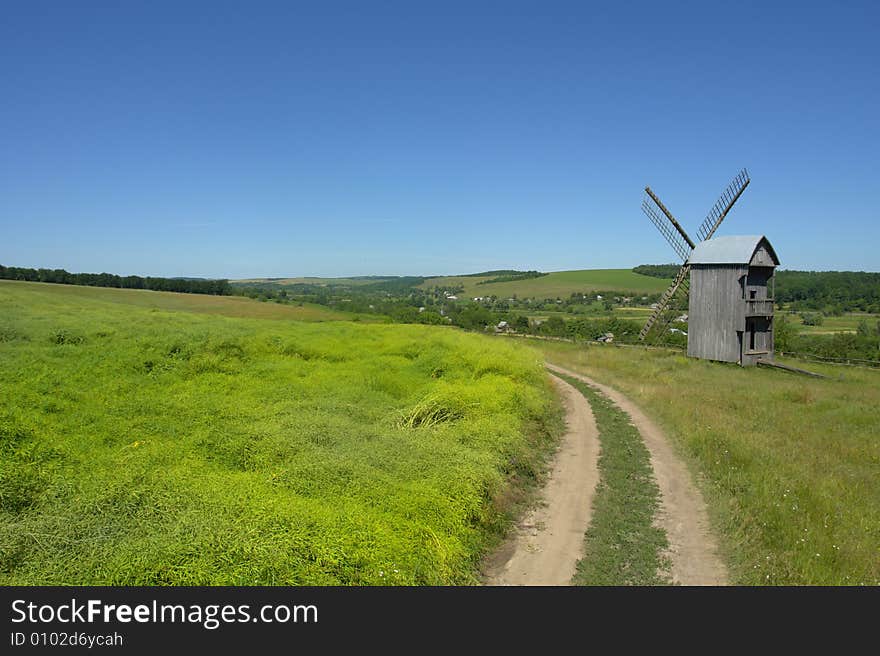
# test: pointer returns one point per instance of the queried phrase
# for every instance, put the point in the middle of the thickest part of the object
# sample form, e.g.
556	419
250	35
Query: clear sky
278	139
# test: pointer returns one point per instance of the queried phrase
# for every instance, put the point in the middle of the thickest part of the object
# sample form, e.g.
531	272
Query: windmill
683	245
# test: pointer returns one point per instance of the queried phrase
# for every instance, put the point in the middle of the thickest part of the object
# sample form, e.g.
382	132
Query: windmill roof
730	250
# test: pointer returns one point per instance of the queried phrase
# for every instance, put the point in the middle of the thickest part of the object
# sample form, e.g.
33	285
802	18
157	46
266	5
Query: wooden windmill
675	297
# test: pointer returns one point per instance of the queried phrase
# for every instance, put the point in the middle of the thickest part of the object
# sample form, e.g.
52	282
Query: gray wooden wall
716	311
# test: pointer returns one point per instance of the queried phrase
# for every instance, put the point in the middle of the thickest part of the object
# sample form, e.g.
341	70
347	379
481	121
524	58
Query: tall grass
145	447
790	465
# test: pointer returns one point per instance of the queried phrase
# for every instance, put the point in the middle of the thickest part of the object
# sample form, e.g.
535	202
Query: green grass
846	323
631	313
229	306
557	284
140	446
789	465
640	313
622	545
594	312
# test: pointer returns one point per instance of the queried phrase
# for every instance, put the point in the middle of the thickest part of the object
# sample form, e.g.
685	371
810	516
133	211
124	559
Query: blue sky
273	139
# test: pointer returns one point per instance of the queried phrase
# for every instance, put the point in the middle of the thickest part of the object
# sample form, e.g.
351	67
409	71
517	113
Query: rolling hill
229	306
557	283
551	285
358	281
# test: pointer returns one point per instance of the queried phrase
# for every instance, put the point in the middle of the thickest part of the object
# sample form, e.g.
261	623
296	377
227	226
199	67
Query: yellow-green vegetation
229	306
140	446
557	284
789	464
623	545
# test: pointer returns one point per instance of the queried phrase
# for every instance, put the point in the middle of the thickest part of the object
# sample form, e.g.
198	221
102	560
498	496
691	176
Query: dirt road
693	550
549	541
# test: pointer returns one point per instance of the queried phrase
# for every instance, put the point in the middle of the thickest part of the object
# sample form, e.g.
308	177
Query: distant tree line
658	270
186	285
493	272
833	292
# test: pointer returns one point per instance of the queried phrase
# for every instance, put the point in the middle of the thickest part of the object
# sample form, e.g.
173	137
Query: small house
730	311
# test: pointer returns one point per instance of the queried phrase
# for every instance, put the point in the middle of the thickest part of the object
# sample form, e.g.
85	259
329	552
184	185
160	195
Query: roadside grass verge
789	465
622	546
147	447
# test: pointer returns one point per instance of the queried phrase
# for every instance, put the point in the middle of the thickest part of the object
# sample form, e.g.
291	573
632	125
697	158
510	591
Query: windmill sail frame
675	240
683	245
722	206
680	283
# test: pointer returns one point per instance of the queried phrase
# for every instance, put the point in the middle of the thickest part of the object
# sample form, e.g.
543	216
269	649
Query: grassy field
557	284
142	446
78	299
789	465
323	282
630	313
846	323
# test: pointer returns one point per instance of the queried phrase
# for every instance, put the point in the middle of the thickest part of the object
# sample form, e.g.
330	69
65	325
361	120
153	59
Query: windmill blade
677	304
677	238
722	205
680	283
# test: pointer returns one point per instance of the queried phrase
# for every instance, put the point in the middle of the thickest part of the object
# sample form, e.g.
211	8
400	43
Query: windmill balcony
759	307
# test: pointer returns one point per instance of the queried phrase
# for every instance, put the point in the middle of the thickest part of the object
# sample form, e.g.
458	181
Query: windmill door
750	335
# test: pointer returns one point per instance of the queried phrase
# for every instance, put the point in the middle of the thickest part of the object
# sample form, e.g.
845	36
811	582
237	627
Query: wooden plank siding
716	311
